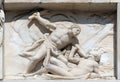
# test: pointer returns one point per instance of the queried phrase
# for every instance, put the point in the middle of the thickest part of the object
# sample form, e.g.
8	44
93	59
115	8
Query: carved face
76	30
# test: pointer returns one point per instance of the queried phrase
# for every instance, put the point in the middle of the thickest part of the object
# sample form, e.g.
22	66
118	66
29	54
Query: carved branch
97	38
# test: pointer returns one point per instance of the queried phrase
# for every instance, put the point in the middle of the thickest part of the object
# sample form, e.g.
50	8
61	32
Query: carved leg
57	70
38	72
28	52
36	58
32	65
47	58
59	63
59	55
63	58
35	45
71	56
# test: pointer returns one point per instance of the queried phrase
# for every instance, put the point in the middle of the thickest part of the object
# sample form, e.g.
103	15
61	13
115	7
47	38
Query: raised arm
44	22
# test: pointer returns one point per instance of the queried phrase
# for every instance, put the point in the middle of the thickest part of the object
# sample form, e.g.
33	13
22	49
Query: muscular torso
61	38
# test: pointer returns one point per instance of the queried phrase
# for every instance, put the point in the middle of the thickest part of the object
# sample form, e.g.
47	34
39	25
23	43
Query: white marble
61	80
2	20
25	39
1	64
81	5
118	40
33	43
82	1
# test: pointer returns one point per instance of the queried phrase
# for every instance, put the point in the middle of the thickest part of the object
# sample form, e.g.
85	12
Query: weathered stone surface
83	5
118	41
61	80
2	20
19	35
1	63
65	1
17	42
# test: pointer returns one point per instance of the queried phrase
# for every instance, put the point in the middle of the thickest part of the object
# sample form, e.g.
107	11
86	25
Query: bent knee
36	59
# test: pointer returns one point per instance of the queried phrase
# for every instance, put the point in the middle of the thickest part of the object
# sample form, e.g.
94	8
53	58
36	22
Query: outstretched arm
81	51
47	24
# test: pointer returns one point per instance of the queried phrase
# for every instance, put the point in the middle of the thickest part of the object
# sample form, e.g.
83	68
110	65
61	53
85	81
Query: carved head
75	29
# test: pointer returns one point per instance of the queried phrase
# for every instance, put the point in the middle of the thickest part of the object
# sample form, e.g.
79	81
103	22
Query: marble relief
60	45
2	20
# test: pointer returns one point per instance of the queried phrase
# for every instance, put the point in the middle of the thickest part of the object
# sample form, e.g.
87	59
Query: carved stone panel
2	20
48	44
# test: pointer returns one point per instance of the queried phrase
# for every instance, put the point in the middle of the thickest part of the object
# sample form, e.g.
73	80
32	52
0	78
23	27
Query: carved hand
34	16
